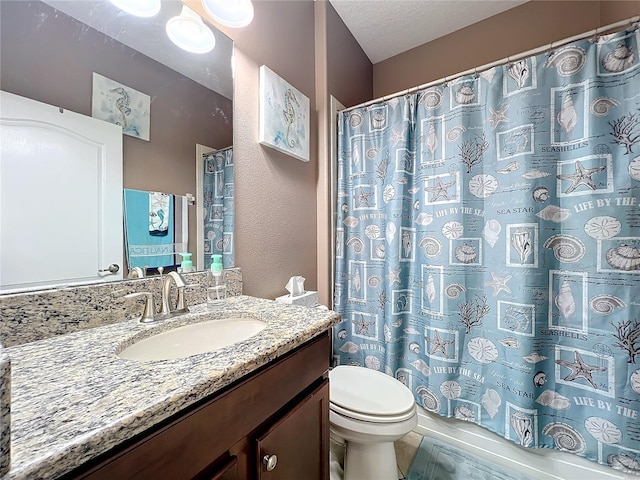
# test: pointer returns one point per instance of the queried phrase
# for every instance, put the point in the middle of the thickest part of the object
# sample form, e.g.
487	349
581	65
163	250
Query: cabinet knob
270	461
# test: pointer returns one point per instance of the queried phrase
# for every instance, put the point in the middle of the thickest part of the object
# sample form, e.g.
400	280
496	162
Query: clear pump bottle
217	285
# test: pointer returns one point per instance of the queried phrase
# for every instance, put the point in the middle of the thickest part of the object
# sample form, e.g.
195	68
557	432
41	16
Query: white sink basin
193	339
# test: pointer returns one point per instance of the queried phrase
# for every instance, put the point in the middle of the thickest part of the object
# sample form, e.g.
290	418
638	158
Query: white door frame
334	107
201	151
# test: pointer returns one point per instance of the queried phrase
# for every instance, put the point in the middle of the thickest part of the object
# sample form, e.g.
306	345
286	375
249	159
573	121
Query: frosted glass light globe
231	13
189	32
139	8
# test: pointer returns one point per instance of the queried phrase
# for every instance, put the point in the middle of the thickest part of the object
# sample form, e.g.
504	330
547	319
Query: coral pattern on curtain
488	247
218	199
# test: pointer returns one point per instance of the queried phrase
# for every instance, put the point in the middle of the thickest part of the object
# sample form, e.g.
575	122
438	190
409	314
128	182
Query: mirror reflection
155	230
50	52
216	192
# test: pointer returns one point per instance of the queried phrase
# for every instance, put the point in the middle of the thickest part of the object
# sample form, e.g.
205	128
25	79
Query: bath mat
436	460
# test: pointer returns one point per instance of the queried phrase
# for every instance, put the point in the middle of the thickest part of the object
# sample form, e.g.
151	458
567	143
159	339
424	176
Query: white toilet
368	411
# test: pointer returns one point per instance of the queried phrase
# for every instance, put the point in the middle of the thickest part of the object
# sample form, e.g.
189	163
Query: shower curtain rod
217	151
504	61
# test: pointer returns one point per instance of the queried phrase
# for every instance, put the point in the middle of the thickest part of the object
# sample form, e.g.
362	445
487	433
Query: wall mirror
51	50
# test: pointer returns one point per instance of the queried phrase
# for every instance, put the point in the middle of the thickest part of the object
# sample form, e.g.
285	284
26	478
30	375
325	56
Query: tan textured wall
612	11
324	258
282	223
343	71
528	26
349	71
275	193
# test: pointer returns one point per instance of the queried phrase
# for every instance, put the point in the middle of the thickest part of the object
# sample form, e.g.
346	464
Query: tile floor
406	449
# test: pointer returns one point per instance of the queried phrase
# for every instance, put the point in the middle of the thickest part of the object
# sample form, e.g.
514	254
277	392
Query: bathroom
283	205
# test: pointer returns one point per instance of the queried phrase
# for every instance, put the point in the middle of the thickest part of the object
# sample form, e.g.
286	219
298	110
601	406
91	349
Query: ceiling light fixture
189	32
139	8
231	13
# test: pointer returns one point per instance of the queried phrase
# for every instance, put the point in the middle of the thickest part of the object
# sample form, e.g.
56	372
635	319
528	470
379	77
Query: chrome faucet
181	305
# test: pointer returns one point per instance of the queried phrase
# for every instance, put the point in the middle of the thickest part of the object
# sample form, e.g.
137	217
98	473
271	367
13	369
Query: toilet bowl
368	411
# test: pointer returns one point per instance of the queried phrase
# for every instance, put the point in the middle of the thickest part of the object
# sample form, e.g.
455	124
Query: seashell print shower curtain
218	204
488	247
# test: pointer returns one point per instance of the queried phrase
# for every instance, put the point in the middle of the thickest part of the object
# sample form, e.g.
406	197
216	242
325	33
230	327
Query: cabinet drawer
191	442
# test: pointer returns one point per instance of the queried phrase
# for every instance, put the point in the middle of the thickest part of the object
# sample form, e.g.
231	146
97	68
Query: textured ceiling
385	28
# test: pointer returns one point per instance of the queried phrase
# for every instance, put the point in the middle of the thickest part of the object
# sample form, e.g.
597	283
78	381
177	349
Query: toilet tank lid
363	390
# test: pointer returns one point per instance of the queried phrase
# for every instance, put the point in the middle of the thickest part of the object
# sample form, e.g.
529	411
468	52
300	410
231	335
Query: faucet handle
149	309
181	301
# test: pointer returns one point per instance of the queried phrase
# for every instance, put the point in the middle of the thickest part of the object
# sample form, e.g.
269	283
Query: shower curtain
488	247
218	199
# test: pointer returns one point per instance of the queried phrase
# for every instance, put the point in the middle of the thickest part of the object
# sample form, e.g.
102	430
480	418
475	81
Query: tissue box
310	299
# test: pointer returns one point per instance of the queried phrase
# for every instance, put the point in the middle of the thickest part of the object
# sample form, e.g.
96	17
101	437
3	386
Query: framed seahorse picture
116	103
284	116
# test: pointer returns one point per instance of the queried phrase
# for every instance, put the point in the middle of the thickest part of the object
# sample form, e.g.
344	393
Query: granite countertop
73	398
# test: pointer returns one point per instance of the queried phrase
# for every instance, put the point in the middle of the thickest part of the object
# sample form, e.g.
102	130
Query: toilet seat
371	418
369	395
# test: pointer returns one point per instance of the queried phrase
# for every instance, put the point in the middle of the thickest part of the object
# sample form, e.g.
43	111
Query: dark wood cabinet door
299	440
227	470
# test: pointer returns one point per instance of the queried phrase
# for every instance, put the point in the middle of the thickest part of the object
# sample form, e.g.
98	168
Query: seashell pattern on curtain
488	248
218	205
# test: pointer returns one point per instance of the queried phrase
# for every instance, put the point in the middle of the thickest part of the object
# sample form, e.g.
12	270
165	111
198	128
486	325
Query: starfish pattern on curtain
488	247
218	204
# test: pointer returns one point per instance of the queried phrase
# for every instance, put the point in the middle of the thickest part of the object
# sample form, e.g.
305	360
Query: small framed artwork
284	116
121	105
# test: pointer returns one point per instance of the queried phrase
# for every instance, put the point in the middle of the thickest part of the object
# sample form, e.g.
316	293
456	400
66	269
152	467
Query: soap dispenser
217	289
187	265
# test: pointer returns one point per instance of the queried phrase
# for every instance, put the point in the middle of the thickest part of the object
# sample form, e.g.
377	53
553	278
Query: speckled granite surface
32	316
74	398
5	410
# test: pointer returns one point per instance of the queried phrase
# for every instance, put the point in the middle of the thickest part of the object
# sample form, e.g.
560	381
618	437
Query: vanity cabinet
293	446
280	410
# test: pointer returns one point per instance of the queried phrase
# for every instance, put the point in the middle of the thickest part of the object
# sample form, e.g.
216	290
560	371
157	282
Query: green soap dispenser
187	265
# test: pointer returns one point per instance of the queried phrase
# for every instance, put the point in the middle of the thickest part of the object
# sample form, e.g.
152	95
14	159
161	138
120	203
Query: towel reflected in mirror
156	228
